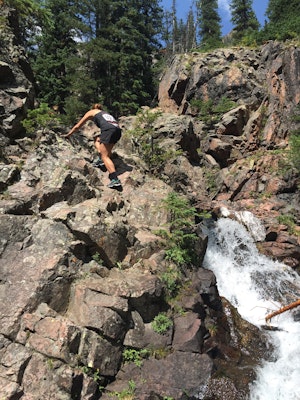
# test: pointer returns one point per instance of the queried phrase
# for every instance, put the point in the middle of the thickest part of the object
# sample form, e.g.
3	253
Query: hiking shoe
114	183
98	163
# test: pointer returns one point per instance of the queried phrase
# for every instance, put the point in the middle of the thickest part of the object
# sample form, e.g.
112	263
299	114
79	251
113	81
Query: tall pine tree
31	15
190	38
284	19
56	44
209	23
243	18
185	38
178	36
167	31
116	56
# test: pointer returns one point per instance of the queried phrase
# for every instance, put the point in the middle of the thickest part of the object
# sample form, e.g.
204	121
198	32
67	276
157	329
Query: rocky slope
82	267
243	152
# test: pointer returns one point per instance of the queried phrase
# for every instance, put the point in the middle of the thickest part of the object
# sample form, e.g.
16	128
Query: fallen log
271	328
283	309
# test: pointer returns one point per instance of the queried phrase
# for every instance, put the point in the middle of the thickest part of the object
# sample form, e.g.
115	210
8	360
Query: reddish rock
95	310
142	336
188	335
179	374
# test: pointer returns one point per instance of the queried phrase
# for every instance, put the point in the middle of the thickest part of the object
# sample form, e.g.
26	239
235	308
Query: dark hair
97	106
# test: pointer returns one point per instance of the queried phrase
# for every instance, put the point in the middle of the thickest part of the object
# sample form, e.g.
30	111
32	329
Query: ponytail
97	106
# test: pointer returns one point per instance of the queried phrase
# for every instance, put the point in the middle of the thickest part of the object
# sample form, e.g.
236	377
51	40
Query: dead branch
283	309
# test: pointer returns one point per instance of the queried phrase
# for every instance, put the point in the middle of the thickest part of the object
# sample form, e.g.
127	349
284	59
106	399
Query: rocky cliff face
16	79
81	267
243	152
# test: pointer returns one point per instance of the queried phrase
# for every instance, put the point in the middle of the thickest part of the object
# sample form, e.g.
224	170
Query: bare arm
87	116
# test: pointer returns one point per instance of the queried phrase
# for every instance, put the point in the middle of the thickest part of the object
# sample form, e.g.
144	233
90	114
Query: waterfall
256	286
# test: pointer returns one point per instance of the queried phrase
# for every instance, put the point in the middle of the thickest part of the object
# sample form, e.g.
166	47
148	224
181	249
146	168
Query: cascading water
256	286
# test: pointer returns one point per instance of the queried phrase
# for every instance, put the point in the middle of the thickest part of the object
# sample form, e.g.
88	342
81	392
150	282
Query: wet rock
222	389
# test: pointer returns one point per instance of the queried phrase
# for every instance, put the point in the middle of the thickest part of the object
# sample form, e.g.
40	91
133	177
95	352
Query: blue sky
183	7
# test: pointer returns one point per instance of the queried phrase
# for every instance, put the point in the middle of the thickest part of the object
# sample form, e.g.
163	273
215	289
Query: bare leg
105	149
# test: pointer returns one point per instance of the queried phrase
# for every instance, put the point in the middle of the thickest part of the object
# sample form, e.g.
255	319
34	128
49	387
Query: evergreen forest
114	51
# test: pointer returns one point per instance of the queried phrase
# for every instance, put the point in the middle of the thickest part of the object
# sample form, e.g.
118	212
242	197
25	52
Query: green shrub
135	356
172	278
224	105
148	145
96	257
161	323
289	220
211	112
92	373
295	150
294	140
40	118
180	240
127	393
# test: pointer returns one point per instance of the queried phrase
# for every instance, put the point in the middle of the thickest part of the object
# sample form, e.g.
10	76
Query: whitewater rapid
256	286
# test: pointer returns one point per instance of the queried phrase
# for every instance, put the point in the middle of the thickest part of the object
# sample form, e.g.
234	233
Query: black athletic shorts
110	136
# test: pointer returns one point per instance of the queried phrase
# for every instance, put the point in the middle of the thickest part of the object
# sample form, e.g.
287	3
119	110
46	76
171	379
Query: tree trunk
283	309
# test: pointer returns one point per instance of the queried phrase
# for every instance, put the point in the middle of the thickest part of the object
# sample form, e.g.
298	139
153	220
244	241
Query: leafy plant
39	118
180	239
127	393
146	117
289	220
213	329
172	278
91	372
30	14
204	108
96	257
294	141
224	105
143	136
160	353
283	21
177	253
135	356
209	24
119	265
209	111
50	363
295	150
161	323
94	374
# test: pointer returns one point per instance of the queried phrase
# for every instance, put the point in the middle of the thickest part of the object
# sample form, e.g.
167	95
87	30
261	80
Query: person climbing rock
110	133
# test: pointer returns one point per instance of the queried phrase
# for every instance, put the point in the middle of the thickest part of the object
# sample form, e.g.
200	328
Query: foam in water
256	286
